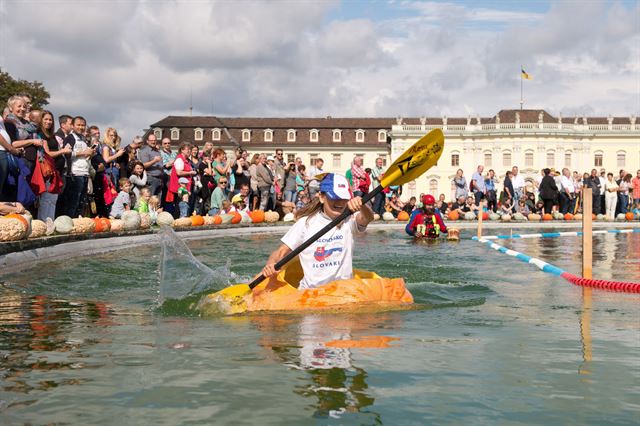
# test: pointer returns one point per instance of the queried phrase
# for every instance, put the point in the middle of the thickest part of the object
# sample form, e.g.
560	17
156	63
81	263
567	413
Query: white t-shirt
4	134
330	257
178	164
517	182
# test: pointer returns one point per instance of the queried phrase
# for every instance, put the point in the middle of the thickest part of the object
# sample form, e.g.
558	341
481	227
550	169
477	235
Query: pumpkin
164	218
64	224
288	217
600	217
506	218
494	216
12	229
197	220
403	216
182	222
38	229
102	224
593	216
83	225
217	220
131	219
237	217
226	218
376	216
387	216
453	234
246	218
469	216
485	216
454	215
257	216
117	225
577	216
568	216
557	216
547	216
208	220
20	218
145	221
271	217
518	217
629	216
534	217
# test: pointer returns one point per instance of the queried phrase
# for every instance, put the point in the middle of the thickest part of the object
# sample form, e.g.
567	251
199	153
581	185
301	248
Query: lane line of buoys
554	270
557	234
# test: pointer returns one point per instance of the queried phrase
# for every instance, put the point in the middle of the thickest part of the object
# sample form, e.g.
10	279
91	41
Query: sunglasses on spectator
224	182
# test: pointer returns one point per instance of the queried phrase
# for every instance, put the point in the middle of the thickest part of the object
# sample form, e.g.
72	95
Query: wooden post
587	233
480	212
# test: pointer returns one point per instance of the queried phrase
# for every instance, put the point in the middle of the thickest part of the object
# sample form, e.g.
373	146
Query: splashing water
183	278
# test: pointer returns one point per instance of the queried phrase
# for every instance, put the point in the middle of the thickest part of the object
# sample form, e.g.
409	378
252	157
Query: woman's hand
354	204
269	270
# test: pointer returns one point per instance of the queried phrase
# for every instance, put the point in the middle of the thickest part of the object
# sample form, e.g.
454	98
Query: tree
10	86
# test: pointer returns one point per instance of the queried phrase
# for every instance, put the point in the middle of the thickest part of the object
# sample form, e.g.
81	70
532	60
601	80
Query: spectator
301	175
111	152
265	177
240	170
130	155
635	184
548	190
6	148
518	183
360	179
290	183
11	207
184	196
151	158
394	205
567	192
279	169
314	170
97	174
123	200
255	192
411	204
49	198
593	182
623	193
603	180
458	205
75	192
139	179
142	202
611	196
522	208
218	195
22	132
241	200
181	168
477	185
221	167
168	156
377	173
508	190
194	156
459	185
490	185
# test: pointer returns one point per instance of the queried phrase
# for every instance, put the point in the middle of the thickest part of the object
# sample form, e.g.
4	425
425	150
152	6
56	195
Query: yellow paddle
416	160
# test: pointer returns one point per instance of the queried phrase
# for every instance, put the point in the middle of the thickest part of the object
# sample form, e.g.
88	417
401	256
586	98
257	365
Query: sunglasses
223	182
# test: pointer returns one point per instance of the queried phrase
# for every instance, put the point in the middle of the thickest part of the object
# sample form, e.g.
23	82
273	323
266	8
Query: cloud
128	64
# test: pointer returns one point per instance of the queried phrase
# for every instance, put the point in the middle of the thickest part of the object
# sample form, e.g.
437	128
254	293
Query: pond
494	340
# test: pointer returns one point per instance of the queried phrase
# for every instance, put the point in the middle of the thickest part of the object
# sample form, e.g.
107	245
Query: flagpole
521	78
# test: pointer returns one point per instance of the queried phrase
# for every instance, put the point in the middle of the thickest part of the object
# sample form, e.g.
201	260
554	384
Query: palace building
529	139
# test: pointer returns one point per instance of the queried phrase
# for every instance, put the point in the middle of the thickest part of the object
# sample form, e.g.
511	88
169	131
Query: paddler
330	257
428	222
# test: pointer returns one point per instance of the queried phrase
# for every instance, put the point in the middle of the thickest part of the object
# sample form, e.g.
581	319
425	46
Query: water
498	341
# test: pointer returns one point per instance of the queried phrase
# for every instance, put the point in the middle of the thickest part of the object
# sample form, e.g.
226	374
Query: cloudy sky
130	63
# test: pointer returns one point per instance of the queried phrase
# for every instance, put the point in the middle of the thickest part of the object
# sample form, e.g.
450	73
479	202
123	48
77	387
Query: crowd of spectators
77	170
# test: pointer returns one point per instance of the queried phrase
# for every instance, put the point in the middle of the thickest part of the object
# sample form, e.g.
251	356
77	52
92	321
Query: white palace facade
529	139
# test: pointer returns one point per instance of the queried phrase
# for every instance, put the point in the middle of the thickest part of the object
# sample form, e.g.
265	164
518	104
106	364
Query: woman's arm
7	145
269	269
366	214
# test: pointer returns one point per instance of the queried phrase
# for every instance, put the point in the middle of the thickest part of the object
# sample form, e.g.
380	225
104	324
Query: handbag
47	164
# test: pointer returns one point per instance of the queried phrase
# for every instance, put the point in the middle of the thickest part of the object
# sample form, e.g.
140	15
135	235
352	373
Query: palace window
291	158
488	159
433	187
567	159
455	160
551	159
268	135
313	135
337	135
506	159
621	158
598	159
175	134
291	135
337	161
528	159
359	135
382	135
246	135
312	159
198	134
158	132
215	134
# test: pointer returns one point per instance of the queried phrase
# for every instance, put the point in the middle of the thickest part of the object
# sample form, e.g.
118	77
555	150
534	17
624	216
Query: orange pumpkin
257	216
197	220
237	217
403	216
629	216
102	224
485	216
20	218
217	220
593	216
568	216
547	216
454	215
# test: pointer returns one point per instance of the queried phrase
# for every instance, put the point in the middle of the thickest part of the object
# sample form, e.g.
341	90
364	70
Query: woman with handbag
52	162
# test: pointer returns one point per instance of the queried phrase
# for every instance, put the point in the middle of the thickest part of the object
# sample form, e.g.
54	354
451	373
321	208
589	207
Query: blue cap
336	187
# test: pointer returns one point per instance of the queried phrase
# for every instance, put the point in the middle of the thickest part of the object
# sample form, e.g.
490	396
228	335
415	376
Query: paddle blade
416	160
231	300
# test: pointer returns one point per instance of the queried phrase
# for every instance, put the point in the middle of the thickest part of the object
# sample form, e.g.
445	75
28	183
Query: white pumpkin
518	217
621	217
12	230
83	225
38	229
534	217
145	221
226	218
245	218
288	217
387	217
182	222
469	216
557	216
577	216
165	218
208	220
494	216
376	216
600	217
506	218
64	224
117	225
131	219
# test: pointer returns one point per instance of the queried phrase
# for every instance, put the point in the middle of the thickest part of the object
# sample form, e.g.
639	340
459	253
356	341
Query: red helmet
428	199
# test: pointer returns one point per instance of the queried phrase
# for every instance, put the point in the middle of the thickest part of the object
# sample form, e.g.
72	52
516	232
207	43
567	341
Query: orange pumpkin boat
365	290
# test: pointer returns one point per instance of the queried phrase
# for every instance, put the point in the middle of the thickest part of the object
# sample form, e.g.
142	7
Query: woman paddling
330	257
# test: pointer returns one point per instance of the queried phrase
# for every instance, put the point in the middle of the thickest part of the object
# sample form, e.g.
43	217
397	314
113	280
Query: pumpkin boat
365	290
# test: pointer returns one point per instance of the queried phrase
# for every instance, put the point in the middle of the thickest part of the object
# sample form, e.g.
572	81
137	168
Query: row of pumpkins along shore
15	227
